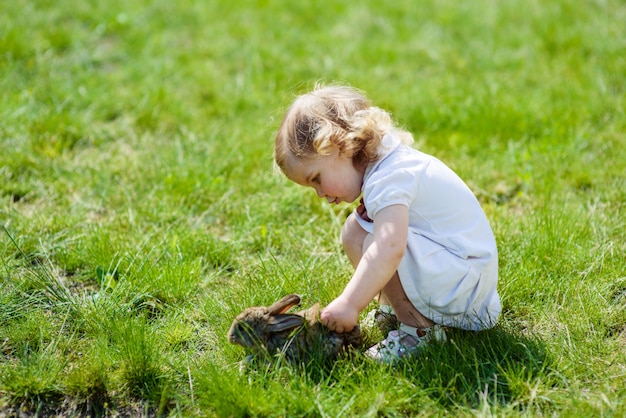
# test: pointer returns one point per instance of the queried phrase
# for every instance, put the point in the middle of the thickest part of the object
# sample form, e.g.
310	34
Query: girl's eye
316	179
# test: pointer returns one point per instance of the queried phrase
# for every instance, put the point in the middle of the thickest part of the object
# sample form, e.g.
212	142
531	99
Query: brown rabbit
296	335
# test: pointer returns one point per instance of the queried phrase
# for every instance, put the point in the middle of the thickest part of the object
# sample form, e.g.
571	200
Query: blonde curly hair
333	118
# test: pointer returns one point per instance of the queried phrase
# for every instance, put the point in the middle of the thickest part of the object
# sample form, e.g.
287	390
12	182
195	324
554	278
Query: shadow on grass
494	370
497	367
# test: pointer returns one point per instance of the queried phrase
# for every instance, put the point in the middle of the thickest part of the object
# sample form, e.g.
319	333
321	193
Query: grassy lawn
140	212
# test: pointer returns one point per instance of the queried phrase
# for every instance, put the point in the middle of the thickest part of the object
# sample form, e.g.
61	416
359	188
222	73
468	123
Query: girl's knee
348	230
353	237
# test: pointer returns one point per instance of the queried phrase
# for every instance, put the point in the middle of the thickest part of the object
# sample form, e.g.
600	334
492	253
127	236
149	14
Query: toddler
418	240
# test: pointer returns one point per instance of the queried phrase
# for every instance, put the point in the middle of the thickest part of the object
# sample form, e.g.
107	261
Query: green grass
141	213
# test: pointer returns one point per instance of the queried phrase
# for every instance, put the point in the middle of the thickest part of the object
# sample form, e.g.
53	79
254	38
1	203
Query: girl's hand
340	315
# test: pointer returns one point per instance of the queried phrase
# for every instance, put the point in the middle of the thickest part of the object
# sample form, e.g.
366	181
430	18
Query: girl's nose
319	192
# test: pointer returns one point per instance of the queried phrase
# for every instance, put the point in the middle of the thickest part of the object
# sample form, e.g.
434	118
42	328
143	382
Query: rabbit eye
244	329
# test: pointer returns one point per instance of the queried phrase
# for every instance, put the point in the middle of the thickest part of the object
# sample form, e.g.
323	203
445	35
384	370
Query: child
419	238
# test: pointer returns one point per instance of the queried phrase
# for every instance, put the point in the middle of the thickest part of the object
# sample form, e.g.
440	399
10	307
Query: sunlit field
140	210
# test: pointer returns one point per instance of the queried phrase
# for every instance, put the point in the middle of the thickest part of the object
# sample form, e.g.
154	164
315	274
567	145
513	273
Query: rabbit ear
284	304
280	323
311	314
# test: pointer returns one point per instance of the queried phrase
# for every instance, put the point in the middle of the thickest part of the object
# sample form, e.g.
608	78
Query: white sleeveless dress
450	268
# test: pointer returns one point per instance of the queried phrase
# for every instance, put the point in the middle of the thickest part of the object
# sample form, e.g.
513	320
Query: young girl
419	238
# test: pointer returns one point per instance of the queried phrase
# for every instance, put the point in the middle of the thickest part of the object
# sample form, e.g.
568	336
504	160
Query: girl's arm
377	266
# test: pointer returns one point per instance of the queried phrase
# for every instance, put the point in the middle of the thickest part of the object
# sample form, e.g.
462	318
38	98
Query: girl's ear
359	160
280	323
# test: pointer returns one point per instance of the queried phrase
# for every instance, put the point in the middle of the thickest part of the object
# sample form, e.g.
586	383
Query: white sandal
405	342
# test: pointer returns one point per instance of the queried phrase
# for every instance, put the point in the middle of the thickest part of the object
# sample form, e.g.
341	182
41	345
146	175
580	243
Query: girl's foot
405	342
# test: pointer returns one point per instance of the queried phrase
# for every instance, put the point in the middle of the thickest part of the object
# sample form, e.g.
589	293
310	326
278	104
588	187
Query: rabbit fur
296	335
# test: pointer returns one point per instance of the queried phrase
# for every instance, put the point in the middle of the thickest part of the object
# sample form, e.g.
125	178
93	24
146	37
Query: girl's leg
393	294
355	241
352	239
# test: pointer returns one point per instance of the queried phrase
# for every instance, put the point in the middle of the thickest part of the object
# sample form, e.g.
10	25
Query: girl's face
333	177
